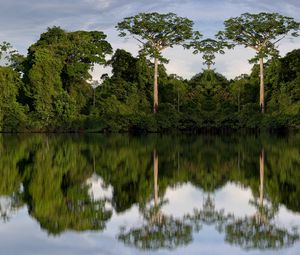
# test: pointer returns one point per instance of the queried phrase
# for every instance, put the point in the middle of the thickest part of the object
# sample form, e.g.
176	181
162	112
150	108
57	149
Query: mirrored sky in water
23	235
198	195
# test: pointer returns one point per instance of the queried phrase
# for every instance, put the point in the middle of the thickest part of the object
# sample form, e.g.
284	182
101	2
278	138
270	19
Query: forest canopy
51	88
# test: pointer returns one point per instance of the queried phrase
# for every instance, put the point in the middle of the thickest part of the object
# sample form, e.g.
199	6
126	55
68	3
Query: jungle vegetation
50	89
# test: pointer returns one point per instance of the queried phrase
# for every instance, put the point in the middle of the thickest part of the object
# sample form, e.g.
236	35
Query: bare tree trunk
260	216
155	91
261	171
155	168
261	94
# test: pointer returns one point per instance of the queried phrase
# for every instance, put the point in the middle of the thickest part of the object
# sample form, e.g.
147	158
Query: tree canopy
209	48
156	31
261	31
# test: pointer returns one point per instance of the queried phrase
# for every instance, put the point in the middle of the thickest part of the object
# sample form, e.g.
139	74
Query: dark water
119	194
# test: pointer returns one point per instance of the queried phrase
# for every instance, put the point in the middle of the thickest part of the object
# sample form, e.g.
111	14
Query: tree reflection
158	230
53	174
9	206
208	215
48	174
12	151
56	191
260	231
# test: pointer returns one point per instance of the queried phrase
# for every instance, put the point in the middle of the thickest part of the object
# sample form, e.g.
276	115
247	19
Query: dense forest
50	89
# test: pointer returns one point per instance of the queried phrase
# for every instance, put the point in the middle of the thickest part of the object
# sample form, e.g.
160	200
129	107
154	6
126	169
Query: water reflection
259	230
158	230
53	177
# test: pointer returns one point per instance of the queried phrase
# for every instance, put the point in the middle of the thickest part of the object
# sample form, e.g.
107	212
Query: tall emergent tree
157	32
260	32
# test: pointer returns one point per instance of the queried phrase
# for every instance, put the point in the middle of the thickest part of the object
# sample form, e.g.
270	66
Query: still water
119	194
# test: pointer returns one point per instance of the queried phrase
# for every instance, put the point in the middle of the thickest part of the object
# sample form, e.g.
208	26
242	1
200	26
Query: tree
209	48
58	198
12	113
157	32
57	69
260	32
259	231
159	230
6	50
10	56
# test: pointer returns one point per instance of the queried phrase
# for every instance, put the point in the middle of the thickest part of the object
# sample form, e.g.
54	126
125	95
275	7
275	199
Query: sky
22	22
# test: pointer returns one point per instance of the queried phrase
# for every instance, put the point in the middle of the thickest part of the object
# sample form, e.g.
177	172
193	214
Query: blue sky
21	23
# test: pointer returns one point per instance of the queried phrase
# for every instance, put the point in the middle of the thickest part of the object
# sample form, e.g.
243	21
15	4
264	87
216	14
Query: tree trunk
261	175
155	168
260	215
155	91
261	94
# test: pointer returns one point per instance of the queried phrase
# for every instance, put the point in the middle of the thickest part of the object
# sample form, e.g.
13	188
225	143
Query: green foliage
56	74
156	31
260	32
12	113
247	234
50	89
209	48
166	232
43	85
8	53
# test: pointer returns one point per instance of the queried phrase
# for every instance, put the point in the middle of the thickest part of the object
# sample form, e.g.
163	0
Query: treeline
208	100
51	90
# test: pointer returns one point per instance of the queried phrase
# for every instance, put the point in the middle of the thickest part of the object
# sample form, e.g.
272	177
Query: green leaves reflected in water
49	174
158	231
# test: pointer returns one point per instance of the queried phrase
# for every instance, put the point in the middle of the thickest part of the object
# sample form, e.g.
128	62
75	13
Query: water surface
120	194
